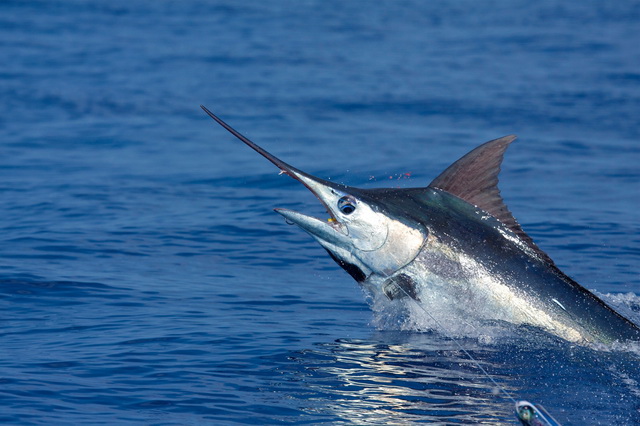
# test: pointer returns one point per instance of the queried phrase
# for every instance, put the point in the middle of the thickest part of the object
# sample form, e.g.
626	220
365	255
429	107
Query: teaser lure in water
534	415
453	242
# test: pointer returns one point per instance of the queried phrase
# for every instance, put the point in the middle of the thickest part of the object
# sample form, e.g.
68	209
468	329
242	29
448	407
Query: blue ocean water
144	277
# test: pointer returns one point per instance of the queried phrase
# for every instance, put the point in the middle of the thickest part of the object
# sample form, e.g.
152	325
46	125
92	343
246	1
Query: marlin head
360	234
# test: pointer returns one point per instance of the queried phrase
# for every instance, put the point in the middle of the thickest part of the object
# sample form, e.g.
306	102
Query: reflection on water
416	378
403	378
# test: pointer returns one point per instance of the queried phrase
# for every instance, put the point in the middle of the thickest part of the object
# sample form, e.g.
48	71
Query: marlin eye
347	204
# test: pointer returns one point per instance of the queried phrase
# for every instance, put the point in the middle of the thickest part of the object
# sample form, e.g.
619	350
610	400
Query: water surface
145	279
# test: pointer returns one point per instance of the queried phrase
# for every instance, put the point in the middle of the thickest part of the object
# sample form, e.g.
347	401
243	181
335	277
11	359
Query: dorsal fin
474	178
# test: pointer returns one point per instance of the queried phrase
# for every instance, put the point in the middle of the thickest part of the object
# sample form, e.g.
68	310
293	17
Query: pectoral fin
400	286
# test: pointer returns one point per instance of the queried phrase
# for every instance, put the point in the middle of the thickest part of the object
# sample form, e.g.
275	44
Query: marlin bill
452	244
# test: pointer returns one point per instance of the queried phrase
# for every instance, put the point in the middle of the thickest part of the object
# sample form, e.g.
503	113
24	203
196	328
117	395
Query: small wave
627	304
630	301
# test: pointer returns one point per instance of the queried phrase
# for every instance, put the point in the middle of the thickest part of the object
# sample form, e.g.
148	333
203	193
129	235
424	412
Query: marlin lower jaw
331	231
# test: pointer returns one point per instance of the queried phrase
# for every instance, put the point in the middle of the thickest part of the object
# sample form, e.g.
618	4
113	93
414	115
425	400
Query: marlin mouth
313	184
332	220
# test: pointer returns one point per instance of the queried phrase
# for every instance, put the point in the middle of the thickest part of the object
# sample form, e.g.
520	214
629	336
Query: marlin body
452	246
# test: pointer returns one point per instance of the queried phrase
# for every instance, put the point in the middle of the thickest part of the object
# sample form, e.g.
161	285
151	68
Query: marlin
452	245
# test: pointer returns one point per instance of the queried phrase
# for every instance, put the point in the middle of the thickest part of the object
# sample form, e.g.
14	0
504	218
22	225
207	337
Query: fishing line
460	347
